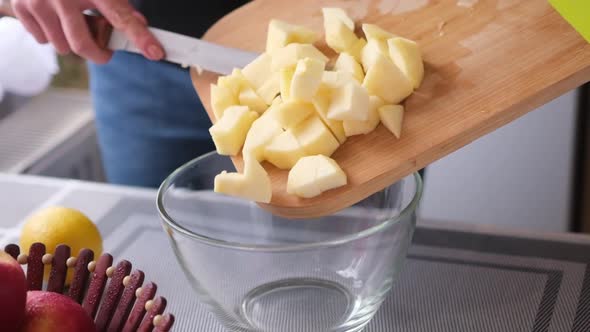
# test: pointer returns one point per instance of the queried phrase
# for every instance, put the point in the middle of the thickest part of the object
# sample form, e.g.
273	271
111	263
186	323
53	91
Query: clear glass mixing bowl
259	272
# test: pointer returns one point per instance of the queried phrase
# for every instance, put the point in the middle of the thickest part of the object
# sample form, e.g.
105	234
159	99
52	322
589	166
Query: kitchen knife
180	49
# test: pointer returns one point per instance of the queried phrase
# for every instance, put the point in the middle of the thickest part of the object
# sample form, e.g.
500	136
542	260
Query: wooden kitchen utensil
114	296
487	63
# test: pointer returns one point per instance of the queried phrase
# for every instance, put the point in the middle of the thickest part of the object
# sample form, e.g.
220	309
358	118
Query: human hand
62	23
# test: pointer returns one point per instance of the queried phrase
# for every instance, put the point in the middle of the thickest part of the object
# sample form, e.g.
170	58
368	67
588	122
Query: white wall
519	175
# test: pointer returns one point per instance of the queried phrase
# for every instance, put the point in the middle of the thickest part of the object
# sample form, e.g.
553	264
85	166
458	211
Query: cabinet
521	175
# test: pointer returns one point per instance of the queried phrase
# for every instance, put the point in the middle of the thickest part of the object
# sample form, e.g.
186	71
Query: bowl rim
408	209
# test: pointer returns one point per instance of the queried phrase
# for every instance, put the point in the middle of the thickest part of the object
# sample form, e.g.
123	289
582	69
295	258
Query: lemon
57	225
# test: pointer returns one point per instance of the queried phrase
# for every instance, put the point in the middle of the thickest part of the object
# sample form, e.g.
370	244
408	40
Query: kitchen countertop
457	277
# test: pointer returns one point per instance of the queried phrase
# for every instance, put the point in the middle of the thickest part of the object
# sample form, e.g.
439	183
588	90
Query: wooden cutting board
487	62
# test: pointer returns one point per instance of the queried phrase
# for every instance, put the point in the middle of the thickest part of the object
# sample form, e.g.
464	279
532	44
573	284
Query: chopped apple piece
392	116
261	190
270	89
387	81
248	97
349	102
340	38
339	30
281	34
275	102
336	79
284	151
258	71
357	49
306	79
313	175
406	56
347	63
236	82
301	179
314	137
352	127
221	98
329	175
230	131
321	102
371	52
254	184
337	14
230	184
286	77
372	31
230	83
272	109
289	55
289	114
263	130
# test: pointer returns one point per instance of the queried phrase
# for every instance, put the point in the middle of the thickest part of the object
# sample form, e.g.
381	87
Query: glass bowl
258	272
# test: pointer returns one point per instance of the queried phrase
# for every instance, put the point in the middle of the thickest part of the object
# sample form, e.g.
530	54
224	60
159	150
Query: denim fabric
149	119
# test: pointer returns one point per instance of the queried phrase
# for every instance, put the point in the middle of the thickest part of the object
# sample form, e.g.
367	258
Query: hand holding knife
180	49
94	38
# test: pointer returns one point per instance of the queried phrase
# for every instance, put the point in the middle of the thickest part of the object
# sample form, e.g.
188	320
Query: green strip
577	13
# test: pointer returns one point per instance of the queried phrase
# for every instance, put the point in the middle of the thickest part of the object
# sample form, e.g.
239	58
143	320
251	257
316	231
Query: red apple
13	293
53	312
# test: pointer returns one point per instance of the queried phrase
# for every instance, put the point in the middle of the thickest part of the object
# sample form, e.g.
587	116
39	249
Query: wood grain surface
487	63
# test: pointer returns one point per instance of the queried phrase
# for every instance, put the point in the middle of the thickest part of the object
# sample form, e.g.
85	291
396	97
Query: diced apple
258	71
289	55
313	175
338	36
301	178
272	109
256	175
306	79
232	184
385	80
229	82
221	98
347	63
372	51
314	137
283	151
331	79
329	175
235	82
263	130
321	102
337	14
281	34
290	113
357	49
275	102
286	76
406	55
335	79
248	97
373	31
349	102
230	131
270	89
254	184
392	117
352	127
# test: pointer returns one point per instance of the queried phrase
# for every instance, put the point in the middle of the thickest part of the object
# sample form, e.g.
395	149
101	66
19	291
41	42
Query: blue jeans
149	119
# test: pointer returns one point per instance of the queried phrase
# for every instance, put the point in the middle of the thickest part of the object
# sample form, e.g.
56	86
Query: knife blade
188	51
180	49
